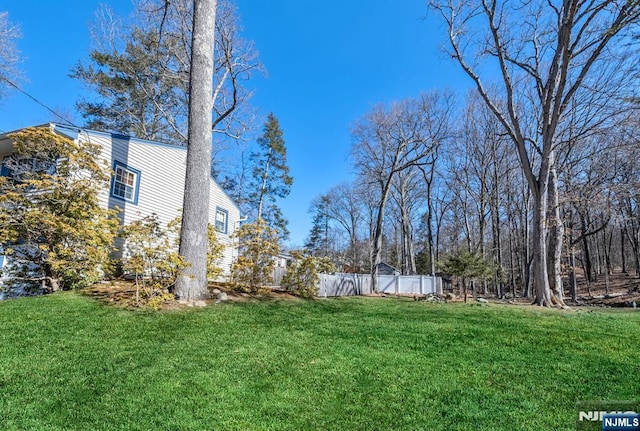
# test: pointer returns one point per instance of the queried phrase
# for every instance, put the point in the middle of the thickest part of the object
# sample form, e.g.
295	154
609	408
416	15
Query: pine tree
467	266
270	176
137	93
318	241
139	71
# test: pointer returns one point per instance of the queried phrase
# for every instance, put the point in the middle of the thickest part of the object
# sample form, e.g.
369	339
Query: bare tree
476	172
9	55
192	280
548	54
393	139
409	197
346	208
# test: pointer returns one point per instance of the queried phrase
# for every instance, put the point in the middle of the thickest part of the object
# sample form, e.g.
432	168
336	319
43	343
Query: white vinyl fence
360	284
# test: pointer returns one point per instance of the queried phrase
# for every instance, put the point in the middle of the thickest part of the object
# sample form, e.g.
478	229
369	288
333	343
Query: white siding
219	199
161	187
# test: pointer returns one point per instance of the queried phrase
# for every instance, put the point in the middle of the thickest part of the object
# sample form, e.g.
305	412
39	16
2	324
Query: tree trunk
428	178
263	187
556	236
539	248
598	269
192	280
409	259
497	243
430	241
377	237
512	256
525	229
464	289
53	282
573	282
586	260
573	278
622	250
633	235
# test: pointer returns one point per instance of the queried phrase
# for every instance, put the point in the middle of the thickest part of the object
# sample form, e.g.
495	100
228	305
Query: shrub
151	255
52	224
253	268
302	276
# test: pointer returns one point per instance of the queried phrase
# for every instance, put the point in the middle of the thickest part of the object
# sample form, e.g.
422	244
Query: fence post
421	284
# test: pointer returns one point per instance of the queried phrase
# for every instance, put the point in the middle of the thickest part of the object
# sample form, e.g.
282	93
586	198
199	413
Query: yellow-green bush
302	276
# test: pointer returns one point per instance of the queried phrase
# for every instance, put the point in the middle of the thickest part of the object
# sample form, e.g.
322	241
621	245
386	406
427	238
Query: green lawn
67	362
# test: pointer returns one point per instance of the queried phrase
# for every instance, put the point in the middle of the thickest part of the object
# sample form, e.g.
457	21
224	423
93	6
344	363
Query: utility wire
17	87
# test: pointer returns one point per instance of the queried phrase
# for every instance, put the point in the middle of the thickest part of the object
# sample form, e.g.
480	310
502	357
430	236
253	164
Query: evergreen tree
137	93
139	71
467	266
270	176
318	241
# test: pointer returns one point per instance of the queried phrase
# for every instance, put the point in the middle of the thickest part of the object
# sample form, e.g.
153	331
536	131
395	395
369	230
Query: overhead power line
17	87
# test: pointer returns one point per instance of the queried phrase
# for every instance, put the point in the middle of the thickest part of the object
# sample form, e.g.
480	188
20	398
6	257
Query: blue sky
328	62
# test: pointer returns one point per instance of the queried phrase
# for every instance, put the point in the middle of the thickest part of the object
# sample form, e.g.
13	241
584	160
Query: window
221	220
19	167
126	183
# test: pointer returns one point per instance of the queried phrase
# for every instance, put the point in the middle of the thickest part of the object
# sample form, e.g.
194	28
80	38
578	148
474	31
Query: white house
147	178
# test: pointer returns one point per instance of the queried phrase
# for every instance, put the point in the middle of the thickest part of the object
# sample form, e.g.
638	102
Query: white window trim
136	186
225	231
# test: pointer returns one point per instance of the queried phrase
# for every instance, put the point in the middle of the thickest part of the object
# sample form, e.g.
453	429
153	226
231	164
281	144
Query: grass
68	362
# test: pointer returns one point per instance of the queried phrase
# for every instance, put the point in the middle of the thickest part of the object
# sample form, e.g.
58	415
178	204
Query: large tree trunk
539	248
192	280
556	236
